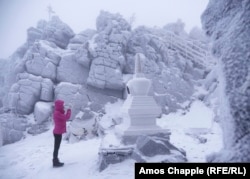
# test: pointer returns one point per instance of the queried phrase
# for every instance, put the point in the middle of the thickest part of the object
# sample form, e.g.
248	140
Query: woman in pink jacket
60	118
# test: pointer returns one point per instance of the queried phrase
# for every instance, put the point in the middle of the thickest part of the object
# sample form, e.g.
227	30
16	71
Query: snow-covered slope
31	157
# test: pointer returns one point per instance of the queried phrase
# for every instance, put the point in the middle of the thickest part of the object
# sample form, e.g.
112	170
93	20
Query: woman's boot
57	163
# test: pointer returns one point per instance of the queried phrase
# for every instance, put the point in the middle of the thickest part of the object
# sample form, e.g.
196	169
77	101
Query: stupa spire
138	66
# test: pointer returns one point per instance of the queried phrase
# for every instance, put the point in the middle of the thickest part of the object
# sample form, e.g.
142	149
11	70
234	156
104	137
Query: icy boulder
81	97
55	31
82	57
42	60
3	64
83	39
69	70
42	112
157	144
171	90
1	137
107	49
106	21
227	24
27	91
12	127
47	90
33	34
105	73
82	127
72	94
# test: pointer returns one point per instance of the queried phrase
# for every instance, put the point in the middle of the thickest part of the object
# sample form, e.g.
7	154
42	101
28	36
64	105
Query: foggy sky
16	16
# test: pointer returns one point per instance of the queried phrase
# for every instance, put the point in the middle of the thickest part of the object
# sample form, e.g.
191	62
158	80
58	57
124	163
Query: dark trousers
58	139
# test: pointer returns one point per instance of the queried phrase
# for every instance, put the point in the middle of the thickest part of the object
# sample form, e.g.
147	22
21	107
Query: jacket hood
59	105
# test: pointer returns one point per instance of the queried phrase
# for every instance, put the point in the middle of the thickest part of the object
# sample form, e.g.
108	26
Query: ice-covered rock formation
91	68
12	128
106	71
27	91
228	25
3	65
171	63
54	31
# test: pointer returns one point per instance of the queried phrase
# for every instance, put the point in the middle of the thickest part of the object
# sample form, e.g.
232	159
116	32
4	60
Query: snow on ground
32	157
188	130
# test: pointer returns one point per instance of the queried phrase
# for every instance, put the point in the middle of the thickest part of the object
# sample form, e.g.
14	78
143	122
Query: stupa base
133	132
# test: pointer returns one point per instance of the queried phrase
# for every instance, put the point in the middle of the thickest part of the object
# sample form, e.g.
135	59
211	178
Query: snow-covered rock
82	57
33	34
105	73
82	126
91	68
3	65
55	31
27	91
47	90
108	63
42	60
12	127
173	73
106	21
72	94
83	37
69	70
42	112
227	24
146	149
1	136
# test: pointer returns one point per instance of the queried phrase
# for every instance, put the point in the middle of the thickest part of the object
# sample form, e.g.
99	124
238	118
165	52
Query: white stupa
141	107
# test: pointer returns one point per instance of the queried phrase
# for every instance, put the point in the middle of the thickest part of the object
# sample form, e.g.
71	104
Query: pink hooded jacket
60	118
